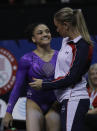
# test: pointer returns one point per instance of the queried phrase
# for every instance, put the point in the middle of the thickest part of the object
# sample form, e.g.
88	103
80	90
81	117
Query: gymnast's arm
18	87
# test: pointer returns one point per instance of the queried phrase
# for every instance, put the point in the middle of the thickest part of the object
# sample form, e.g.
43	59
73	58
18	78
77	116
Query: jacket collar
74	41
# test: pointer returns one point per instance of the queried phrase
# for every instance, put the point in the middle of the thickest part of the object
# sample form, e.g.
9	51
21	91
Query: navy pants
73	114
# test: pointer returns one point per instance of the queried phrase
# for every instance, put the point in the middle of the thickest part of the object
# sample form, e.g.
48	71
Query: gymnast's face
41	35
93	75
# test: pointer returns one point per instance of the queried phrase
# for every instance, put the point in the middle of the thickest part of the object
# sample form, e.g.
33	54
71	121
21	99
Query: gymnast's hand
37	84
7	120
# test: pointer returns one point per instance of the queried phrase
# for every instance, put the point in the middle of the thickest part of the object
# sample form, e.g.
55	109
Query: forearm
19	84
12	100
17	90
62	83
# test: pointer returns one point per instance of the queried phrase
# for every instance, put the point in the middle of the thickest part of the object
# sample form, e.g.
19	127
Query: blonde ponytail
81	25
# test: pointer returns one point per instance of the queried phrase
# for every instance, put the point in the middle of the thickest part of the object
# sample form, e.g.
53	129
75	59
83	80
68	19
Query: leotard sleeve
21	74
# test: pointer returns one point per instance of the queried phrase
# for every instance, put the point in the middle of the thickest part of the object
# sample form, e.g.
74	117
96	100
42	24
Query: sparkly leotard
32	66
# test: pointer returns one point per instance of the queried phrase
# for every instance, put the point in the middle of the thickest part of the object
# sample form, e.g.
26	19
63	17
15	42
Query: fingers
7	120
32	84
5	123
34	78
37	84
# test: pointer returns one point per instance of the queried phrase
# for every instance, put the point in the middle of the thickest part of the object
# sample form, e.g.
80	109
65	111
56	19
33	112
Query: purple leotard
32	66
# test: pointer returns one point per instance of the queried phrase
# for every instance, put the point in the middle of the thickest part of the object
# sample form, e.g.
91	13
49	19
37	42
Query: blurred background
15	15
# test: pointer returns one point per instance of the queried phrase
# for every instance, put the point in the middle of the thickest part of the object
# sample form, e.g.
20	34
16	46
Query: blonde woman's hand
7	120
37	84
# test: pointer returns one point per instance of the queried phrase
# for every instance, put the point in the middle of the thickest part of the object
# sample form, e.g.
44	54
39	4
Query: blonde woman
73	62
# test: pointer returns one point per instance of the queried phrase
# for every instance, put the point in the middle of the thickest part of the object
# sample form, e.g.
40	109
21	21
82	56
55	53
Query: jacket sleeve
75	73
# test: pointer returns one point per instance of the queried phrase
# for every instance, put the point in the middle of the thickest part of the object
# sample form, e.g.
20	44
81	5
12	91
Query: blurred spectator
91	117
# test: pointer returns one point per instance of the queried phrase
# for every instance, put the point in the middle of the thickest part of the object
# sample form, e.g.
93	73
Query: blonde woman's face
93	76
61	28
